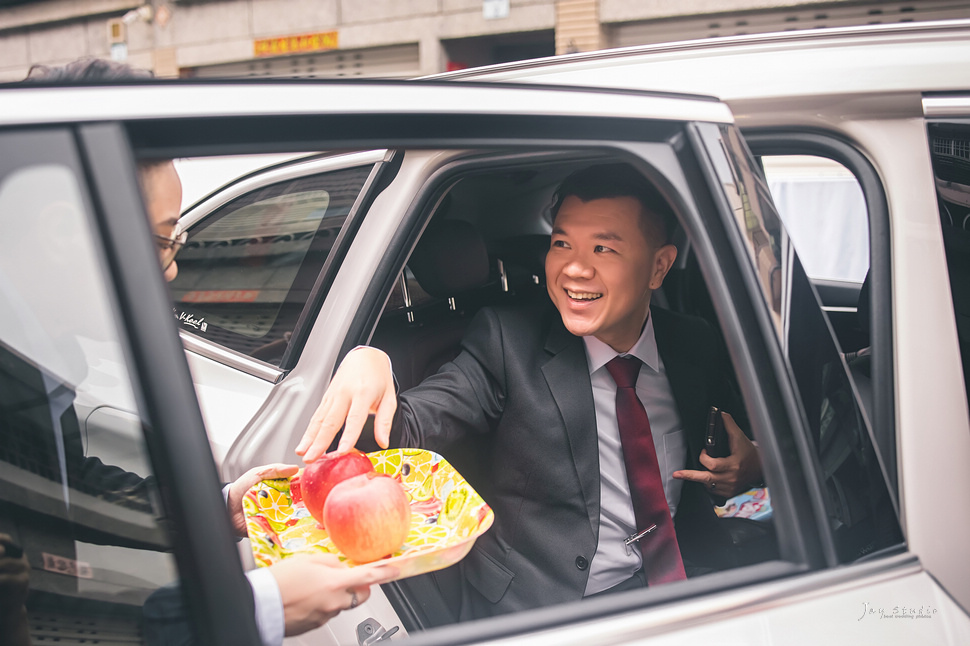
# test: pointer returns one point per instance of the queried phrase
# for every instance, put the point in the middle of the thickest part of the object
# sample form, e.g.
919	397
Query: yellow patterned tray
447	515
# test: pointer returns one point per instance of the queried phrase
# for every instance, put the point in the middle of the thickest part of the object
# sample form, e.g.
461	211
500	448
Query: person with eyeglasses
291	596
162	191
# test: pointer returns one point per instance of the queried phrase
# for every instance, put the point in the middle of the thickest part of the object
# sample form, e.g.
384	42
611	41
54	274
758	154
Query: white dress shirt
266	595
613	561
269	606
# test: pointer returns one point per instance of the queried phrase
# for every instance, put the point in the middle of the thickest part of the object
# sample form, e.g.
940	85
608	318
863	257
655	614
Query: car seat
449	261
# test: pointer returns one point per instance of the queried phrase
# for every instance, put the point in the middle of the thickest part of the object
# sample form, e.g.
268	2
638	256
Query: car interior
485	245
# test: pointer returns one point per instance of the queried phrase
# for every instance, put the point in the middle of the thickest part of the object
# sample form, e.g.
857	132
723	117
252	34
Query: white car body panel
901	607
846	61
229	398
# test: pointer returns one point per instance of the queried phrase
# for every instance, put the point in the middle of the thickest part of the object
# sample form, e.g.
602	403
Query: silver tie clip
633	538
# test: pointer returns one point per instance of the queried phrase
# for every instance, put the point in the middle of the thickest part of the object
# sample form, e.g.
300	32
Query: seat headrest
526	251
450	258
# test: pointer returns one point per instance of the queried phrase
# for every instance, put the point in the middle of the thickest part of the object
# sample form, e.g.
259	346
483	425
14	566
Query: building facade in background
392	38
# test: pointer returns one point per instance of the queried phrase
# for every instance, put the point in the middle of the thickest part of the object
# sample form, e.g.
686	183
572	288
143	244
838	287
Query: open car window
510	212
824	211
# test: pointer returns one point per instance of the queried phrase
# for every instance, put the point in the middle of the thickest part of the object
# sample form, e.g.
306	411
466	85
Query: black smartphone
716	440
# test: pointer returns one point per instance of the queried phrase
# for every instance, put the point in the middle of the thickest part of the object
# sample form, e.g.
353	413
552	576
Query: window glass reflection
86	519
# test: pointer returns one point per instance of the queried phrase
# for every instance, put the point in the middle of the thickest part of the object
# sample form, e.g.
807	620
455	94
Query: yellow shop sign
302	44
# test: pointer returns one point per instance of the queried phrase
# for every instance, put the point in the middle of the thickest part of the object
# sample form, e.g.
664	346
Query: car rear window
248	268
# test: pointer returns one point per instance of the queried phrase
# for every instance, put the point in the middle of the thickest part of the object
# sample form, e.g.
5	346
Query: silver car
852	377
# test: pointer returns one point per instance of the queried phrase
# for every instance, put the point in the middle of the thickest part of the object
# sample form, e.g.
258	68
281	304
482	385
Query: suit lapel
687	381
567	375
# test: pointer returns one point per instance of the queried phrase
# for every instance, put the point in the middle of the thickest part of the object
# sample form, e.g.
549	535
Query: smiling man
607	255
594	412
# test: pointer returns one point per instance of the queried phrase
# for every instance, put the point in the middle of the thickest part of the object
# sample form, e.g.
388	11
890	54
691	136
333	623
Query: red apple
322	475
295	492
368	517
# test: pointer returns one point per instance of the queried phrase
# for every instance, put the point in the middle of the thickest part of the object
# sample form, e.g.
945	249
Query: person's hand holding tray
447	515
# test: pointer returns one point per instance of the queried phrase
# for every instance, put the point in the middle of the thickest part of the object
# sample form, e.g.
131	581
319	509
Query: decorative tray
447	515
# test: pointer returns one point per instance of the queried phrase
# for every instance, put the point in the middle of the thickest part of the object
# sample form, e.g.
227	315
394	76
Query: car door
97	549
801	408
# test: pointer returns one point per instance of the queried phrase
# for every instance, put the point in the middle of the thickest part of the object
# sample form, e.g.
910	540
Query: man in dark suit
541	385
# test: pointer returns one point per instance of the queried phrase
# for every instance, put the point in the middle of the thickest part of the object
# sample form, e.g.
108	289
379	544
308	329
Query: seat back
450	261
451	264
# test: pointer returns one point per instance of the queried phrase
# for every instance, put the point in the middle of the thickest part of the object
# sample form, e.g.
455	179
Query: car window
248	268
88	522
499	221
859	507
824	211
860	518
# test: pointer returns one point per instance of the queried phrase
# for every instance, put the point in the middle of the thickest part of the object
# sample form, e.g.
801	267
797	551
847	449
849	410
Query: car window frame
798	141
785	444
800	557
218	596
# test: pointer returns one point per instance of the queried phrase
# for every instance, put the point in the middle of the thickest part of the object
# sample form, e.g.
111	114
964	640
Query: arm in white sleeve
269	606
270	619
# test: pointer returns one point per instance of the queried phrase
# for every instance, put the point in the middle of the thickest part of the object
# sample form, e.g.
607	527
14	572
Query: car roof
146	100
851	60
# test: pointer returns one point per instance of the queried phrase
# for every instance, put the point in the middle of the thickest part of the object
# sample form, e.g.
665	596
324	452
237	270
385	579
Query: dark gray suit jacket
520	392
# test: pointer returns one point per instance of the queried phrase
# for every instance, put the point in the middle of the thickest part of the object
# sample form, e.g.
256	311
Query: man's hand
733	474
245	482
316	587
362	385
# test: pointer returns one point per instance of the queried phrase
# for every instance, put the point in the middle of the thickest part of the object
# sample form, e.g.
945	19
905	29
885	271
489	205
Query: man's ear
663	260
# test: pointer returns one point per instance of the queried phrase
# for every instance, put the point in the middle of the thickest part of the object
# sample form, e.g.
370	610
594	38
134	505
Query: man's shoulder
534	315
522	326
691	333
670	319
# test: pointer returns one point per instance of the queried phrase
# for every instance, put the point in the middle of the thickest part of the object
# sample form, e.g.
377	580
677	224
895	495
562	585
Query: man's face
601	269
162	189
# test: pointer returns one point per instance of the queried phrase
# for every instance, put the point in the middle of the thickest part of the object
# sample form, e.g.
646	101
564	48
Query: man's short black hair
621	180
95	70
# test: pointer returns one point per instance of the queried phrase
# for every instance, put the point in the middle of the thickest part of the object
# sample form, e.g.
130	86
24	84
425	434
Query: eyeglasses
168	247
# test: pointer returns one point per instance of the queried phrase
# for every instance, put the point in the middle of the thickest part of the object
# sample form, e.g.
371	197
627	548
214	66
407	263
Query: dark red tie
661	554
